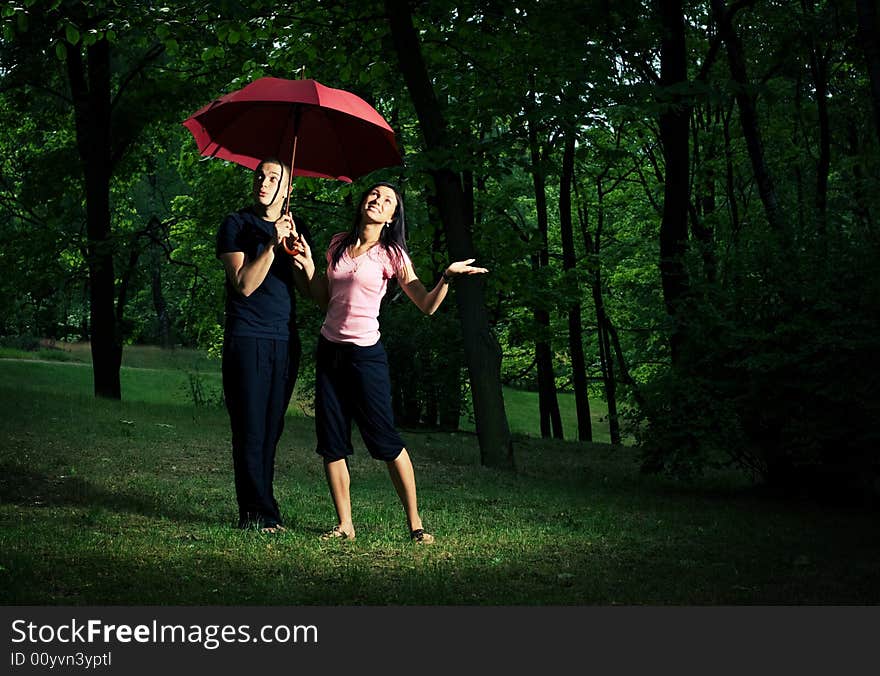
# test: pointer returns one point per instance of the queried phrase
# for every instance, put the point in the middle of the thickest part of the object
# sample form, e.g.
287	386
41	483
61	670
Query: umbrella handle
292	251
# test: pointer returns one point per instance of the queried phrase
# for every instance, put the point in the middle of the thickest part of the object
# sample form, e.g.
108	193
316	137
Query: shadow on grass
249	569
28	488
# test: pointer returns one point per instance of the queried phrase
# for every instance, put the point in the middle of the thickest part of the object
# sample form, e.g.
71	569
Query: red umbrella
326	132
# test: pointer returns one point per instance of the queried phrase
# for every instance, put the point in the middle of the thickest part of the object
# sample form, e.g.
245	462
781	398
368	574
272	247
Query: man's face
269	185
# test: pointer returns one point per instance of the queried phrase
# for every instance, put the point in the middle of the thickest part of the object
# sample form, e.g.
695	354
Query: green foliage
426	362
780	382
21	342
203	394
779	327
688	426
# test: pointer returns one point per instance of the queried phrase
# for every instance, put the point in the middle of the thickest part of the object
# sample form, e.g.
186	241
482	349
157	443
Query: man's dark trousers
258	379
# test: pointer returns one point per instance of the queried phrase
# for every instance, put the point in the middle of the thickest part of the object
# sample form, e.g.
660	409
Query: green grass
131	502
185	369
139	385
135	356
522	413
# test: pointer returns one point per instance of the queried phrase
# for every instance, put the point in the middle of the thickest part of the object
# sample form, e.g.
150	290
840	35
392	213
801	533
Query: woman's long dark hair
393	236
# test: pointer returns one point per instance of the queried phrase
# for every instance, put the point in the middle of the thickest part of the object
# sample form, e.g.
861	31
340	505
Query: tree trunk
91	100
449	406
606	357
548	402
482	351
869	37
569	261
730	179
608	377
823	164
163	321
798	172
610	341
449	357
674	124
860	181
819	71
706	201
748	117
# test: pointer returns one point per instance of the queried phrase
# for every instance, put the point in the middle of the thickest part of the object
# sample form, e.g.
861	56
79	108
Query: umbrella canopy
334	133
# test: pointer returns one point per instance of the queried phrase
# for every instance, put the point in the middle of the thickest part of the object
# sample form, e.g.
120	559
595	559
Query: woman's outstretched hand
464	268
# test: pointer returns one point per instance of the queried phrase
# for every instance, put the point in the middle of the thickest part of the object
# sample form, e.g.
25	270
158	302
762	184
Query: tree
482	351
869	37
548	402
748	115
575	328
116	89
674	128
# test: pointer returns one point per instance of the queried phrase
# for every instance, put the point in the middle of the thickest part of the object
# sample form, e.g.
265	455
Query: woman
261	346
351	367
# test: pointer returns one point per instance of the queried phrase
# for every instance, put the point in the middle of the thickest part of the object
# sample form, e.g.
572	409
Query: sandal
272	530
336	533
420	537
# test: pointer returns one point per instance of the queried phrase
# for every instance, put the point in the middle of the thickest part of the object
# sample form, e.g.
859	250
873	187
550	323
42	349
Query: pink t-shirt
356	289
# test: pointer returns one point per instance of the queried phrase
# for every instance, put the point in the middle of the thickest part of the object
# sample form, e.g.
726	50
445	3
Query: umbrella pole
291	249
290	178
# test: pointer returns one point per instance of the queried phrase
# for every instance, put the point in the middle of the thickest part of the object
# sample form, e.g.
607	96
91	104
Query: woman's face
379	205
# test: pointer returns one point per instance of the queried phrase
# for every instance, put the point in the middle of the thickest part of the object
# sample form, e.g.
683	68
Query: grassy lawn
131	502
522	414
182	370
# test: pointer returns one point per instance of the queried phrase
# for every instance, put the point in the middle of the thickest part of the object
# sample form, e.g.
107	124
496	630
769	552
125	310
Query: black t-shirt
270	311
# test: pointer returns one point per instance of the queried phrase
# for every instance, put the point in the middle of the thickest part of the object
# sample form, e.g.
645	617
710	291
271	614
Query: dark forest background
677	202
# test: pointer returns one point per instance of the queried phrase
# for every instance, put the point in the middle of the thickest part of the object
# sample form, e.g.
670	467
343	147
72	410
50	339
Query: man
261	348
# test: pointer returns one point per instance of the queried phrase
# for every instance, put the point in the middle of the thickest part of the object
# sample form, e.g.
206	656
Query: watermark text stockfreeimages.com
209	636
